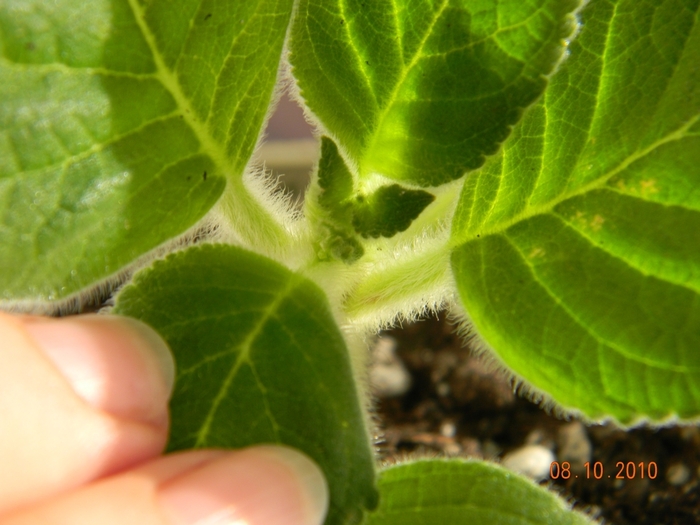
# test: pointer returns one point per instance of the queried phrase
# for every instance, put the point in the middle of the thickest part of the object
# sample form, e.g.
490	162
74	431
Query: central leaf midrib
244	349
263	227
529	212
171	83
404	75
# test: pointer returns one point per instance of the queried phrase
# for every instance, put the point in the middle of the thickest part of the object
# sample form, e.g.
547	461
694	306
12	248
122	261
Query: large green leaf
259	360
119	122
422	90
578	247
458	492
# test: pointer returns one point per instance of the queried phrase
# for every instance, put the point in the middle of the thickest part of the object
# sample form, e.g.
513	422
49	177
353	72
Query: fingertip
117	365
265	485
85	397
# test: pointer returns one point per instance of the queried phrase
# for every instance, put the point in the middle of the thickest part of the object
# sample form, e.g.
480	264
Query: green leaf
329	207
465	492
422	91
389	210
334	179
259	360
578	247
120	121
337	213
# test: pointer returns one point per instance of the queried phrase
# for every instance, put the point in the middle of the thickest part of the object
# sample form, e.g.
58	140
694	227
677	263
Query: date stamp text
623	470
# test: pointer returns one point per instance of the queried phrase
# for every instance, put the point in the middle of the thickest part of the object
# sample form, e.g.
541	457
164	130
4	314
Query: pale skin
84	420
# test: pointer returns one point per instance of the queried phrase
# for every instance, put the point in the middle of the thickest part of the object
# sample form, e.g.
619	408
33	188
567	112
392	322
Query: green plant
467	162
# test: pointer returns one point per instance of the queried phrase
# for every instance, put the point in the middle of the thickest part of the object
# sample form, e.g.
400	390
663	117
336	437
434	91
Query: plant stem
254	223
404	286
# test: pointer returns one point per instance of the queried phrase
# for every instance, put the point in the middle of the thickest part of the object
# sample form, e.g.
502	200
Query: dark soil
458	407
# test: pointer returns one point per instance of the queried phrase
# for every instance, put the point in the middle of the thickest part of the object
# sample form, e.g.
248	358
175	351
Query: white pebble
531	460
388	375
574	445
448	429
452	449
490	449
678	474
443	389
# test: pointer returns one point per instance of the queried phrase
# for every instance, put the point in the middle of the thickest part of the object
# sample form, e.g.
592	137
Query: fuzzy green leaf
259	360
329	207
389	210
422	91
578	255
458	492
334	179
338	213
119	123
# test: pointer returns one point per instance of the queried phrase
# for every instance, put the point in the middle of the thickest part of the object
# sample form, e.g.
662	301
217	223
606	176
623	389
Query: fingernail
265	485
116	364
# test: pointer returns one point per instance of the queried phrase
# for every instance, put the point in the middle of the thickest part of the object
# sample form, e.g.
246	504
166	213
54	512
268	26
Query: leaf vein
599	338
244	356
573	226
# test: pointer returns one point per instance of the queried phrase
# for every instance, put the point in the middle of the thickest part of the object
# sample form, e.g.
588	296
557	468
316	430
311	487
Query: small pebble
448	429
536	437
490	449
471	447
443	389
452	449
531	460
388	375
539	437
678	474
691	488
574	445
656	497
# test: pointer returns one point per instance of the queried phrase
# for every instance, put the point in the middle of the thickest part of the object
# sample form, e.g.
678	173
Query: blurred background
290	149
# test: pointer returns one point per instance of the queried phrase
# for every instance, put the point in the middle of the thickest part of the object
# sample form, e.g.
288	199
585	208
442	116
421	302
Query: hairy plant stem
252	222
401	277
404	286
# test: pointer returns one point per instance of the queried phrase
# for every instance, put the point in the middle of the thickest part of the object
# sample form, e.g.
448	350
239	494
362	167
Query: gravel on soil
458	406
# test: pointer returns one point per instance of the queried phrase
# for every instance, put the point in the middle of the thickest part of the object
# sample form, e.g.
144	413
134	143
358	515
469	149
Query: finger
80	398
257	486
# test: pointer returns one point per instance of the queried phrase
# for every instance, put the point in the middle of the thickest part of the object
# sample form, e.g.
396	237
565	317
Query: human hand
83	421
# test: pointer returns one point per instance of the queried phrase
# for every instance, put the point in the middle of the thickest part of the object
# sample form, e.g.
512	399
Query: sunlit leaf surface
119	123
421	90
578	254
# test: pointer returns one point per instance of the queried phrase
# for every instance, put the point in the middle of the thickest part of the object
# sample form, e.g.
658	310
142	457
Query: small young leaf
330	207
334	178
342	245
423	91
459	492
259	360
340	212
578	255
389	210
119	123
